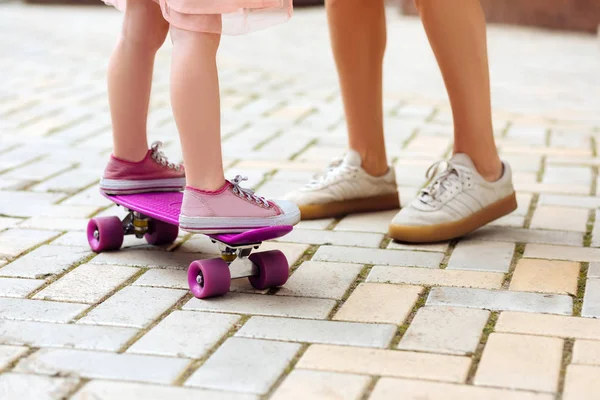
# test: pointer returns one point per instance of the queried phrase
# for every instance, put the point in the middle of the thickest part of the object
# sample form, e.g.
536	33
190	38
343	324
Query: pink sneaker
153	174
233	209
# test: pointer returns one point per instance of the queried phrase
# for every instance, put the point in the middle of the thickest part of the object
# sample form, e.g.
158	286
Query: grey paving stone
45	261
87	283
497	300
594	270
339	238
10	353
16	287
567	175
109	390
15	241
568	253
27	386
591	299
185	334
101	365
522	235
321	279
169	278
258	304
378	256
377	222
311	331
569	201
436	277
482	256
152	258
445	330
72	224
244	365
41	334
39	310
133	306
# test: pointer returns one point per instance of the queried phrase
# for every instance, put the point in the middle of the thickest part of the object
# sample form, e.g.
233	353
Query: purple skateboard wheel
105	233
208	278
273	269
161	233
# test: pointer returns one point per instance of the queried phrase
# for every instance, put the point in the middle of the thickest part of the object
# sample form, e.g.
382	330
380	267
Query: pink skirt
230	17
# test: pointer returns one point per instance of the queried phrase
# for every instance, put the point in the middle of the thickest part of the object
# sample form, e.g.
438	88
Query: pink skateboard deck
166	206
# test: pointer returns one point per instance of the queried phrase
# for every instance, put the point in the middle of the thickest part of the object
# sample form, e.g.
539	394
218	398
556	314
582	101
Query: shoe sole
115	186
212	225
452	230
338	208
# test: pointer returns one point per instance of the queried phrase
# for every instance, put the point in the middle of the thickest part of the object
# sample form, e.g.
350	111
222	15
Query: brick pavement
507	313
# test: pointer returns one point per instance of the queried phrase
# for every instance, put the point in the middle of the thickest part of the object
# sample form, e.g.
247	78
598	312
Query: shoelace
335	169
439	182
160	157
247	193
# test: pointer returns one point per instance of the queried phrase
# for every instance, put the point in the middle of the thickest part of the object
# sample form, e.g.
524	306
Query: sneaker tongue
352	159
463	160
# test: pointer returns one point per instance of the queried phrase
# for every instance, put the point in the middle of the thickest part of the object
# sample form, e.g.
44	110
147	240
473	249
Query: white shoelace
247	193
449	179
160	157
335	171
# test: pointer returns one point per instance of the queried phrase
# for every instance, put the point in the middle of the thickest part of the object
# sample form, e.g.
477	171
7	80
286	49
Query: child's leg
130	77
196	106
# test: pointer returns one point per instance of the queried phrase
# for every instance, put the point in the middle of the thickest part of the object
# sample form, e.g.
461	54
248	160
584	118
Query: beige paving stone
569	253
546	276
522	235
436	277
27	386
520	362
582	382
383	303
586	352
439	247
318	385
391	363
560	218
321	279
87	283
482	256
401	258
548	325
389	388
111	390
446	330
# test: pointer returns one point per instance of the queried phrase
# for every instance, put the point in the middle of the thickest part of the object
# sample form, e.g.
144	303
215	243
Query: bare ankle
491	173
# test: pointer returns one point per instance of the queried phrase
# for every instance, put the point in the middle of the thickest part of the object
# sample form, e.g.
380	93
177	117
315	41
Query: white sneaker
346	188
455	202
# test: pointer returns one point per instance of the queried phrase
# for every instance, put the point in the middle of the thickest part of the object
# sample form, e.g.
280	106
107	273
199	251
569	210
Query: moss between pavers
567	355
476	357
404	327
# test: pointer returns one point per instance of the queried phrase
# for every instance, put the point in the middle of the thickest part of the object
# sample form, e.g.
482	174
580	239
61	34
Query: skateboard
155	217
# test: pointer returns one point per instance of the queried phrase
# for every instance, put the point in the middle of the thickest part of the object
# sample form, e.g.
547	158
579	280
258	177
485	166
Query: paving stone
257	304
153	258
522	235
185	334
321	279
69	182
45	261
88	197
16	287
41	334
311	331
500	300
341	238
582	382
512	221
72	224
101	365
316	224
532	275
586	352
13	242
560	218
568	253
358	360
7	222
39	310
378	222
553	188
244	365
168	278
107	390
594	270
591	299
445	330
567	175
378	256
26	386
87	283
436	277
292	251
548	325
318	385
520	362
388	389
482	256
133	306
10	353
569	201
375	302
439	247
